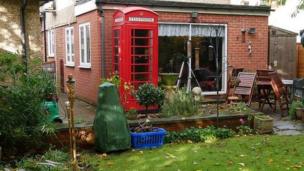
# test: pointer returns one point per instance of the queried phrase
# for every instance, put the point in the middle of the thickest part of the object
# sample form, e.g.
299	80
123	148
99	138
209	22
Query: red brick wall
87	80
237	51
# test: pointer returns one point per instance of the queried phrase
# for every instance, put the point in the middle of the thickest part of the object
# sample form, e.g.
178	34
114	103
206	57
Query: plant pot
168	79
153	139
251	117
263	124
300	113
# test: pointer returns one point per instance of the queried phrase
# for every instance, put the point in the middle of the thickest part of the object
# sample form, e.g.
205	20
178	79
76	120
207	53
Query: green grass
240	153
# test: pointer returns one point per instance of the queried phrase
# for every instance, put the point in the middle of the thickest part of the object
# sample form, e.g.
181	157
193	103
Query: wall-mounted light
194	15
251	30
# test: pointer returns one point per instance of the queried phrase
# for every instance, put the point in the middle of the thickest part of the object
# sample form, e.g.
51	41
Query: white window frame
69	42
85	63
51	43
224	52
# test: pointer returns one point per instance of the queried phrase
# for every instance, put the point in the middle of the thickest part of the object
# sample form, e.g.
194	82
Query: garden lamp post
70	109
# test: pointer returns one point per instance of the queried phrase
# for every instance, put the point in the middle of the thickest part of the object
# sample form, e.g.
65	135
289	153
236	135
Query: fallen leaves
170	156
241	164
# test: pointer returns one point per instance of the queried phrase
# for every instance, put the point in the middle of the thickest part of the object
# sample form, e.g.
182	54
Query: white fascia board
85	7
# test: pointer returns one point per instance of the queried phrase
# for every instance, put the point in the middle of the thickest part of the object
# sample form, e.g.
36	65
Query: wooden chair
244	90
280	92
232	81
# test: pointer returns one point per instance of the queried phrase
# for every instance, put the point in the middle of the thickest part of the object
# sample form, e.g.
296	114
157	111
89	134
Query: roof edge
283	30
173	4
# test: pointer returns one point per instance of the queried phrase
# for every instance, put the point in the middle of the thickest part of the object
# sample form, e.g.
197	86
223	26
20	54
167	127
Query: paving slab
282	125
84	112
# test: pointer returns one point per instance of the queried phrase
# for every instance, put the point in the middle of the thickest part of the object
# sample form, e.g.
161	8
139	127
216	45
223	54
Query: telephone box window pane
140	33
116	33
140	77
140	42
115	59
141	59
116	42
116	68
140	68
116	53
141	51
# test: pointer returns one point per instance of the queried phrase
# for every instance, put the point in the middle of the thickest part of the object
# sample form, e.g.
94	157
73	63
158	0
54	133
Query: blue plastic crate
148	139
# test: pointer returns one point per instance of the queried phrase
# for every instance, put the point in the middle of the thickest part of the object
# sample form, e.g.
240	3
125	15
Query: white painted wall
61	4
85	7
65	10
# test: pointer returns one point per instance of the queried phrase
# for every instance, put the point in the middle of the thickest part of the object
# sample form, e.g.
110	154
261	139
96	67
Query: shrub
180	103
21	107
244	130
198	134
38	163
293	107
148	95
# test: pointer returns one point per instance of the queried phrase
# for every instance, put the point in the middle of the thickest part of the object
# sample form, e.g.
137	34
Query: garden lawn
240	153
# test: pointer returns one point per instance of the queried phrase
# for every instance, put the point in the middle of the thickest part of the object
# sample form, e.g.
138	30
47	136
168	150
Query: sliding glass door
173	39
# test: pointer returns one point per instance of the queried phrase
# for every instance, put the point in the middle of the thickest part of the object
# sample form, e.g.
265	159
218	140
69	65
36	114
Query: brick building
242	32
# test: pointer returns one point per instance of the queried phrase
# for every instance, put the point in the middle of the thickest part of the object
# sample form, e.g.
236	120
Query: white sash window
85	45
69	46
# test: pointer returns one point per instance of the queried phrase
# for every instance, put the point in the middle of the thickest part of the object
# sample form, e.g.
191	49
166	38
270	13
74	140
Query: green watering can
52	109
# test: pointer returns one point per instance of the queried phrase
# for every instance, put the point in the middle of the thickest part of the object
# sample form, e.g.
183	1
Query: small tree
148	95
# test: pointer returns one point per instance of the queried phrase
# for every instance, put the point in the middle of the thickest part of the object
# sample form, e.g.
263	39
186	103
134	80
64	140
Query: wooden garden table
264	94
264	87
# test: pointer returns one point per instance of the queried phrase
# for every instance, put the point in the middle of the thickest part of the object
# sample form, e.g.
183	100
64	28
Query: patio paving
85	113
282	125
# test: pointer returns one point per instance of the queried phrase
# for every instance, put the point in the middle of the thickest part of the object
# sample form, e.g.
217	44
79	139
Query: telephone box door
135	51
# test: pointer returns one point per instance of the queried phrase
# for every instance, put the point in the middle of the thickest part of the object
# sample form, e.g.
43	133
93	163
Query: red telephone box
135	51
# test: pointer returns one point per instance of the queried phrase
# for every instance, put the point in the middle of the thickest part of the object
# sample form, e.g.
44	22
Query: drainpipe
23	34
44	36
102	38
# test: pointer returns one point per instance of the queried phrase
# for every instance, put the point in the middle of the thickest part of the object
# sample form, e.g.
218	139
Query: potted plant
263	124
149	95
169	74
296	110
146	136
300	113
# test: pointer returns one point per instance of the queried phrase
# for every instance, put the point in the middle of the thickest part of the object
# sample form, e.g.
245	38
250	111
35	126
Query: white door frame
224	54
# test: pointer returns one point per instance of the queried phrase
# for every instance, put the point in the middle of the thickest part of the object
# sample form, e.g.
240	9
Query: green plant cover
110	124
52	110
